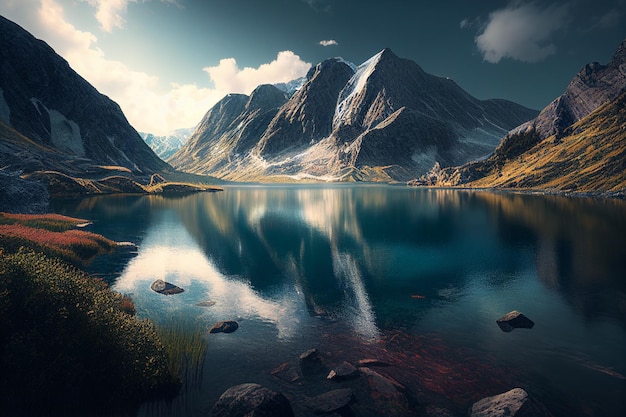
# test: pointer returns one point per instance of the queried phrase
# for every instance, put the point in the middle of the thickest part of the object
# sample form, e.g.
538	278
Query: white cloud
109	13
522	31
330	42
228	78
147	107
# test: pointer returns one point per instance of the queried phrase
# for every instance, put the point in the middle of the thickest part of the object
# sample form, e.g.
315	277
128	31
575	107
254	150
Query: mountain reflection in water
417	276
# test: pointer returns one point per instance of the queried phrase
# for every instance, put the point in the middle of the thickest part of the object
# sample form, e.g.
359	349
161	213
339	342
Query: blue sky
166	62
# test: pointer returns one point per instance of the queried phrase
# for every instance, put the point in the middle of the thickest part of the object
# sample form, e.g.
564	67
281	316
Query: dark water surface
415	276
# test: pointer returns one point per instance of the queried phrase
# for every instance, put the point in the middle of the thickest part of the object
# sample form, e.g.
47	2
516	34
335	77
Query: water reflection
294	262
169	253
580	245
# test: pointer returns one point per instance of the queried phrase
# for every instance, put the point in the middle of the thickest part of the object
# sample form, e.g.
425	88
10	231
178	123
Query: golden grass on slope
114	168
591	158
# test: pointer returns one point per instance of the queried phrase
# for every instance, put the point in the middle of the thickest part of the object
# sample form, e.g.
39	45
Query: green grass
68	344
186	343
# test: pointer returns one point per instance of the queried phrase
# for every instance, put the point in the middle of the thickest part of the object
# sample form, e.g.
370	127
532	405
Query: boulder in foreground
513	403
251	400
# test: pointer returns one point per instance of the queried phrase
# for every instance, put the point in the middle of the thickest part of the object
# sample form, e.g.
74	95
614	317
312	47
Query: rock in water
344	370
331	401
251	400
514	320
166	288
513	403
228	326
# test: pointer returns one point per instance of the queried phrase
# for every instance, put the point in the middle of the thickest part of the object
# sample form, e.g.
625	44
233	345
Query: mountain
229	130
386	119
167	145
60	115
576	144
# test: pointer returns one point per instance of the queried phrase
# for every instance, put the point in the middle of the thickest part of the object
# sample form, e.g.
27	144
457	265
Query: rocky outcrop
251	400
386	120
513	403
592	86
514	320
46	101
18	195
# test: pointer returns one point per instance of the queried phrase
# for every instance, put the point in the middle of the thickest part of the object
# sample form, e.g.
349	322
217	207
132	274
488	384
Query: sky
166	62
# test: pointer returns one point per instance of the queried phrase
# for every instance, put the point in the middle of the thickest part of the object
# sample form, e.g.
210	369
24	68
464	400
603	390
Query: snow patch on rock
65	133
354	86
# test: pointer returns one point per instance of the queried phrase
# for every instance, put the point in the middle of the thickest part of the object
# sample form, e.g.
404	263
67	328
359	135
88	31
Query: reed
186	343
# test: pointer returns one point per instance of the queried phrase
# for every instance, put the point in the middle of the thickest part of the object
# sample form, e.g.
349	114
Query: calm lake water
416	276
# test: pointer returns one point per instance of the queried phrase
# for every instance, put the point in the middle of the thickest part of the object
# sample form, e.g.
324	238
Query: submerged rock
227	326
251	400
166	288
514	320
286	372
311	363
311	354
386	393
513	403
344	370
331	401
207	303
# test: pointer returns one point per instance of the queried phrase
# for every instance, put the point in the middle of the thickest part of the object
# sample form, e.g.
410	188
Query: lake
416	277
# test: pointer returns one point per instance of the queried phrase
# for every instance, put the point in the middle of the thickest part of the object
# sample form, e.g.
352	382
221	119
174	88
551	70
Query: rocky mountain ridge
576	144
385	120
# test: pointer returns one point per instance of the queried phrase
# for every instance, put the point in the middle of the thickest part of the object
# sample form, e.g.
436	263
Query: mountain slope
43	99
577	143
229	129
590	156
386	120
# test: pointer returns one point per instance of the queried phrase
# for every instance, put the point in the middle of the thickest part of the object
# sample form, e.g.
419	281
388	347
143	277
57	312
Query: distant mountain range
576	144
167	145
384	120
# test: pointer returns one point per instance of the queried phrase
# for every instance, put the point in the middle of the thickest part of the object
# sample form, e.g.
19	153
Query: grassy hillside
589	157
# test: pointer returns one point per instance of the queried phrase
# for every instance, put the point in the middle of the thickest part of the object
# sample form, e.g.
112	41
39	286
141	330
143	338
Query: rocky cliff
46	101
385	120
